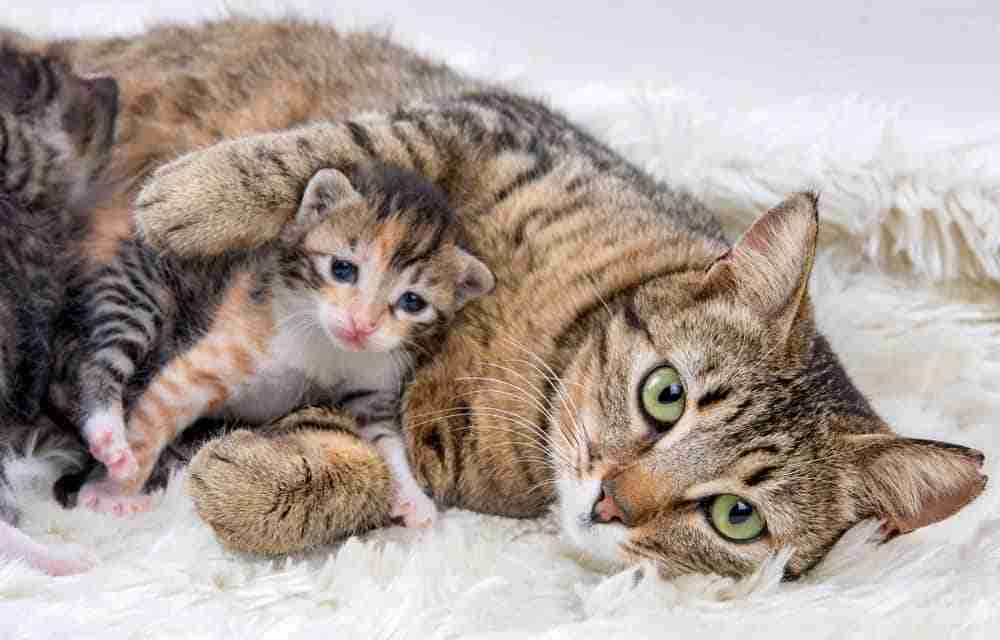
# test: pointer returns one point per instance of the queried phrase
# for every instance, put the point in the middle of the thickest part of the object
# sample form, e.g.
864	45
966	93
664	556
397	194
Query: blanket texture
906	287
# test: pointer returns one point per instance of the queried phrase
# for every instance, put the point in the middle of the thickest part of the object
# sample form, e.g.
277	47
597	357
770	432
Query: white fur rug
906	287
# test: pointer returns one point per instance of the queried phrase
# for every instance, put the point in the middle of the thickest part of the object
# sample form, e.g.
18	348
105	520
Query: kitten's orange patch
210	370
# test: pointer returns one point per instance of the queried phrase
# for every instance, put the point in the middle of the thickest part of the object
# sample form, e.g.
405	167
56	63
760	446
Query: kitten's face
57	128
384	273
708	425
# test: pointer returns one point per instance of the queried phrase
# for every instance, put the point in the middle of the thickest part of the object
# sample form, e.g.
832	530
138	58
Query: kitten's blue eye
344	271
411	303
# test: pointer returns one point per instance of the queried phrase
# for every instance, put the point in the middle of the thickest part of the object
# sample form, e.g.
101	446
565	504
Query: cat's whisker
526	396
539	442
597	292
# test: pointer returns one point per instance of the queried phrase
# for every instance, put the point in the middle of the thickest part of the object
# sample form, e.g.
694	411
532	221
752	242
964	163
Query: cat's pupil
740	513
344	271
671	394
412	303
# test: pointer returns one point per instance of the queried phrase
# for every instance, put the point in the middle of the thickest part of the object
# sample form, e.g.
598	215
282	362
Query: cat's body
334	313
668	391
55	138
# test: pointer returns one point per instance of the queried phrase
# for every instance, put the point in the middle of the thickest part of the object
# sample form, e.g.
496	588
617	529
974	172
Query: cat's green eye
663	397
734	518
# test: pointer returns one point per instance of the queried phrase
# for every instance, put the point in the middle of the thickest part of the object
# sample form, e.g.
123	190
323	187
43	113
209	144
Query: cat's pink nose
605	509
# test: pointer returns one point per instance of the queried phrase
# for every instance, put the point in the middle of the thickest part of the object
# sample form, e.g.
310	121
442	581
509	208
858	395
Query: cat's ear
909	483
327	191
768	269
475	279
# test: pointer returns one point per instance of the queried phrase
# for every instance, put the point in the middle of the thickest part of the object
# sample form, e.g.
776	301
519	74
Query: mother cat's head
708	424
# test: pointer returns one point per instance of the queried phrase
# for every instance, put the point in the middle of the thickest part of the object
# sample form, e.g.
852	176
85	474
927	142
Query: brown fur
601	274
330	484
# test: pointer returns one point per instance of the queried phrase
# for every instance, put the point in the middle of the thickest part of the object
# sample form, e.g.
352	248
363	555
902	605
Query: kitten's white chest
307	367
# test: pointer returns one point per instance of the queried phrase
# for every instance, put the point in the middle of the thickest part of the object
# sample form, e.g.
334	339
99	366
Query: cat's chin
599	541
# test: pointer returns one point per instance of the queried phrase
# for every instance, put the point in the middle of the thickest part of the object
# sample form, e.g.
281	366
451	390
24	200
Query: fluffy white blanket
906	287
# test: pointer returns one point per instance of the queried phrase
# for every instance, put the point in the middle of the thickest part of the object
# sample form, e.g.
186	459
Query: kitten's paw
109	446
115	454
107	496
64	559
415	509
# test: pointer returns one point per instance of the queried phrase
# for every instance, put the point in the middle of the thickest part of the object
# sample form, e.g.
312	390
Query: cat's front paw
203	203
108	496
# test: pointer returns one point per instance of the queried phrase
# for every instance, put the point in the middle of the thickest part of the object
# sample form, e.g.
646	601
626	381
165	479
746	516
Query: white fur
927	354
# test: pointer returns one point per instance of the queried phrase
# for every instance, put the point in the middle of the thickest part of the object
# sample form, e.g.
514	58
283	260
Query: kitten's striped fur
253	335
604	275
55	138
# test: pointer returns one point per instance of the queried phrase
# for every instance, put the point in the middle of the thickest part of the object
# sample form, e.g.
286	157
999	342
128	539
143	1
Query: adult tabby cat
669	392
55	139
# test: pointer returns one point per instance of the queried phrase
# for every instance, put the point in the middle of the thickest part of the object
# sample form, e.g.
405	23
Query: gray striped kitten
56	130
334	311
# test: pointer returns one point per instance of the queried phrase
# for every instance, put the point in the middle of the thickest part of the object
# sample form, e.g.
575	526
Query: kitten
333	312
56	130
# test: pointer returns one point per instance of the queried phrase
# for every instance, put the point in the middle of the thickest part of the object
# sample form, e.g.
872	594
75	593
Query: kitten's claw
106	496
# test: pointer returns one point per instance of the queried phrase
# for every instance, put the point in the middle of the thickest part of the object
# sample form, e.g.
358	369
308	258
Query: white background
938	60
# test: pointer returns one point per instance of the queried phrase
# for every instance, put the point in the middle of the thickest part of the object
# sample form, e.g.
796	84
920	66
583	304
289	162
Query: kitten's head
377	259
708	424
56	128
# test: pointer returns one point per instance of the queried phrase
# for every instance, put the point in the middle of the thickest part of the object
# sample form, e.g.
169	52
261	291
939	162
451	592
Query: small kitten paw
416	510
105	433
107	496
115	454
64	560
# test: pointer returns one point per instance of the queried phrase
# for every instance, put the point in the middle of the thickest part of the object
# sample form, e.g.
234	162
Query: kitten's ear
910	483
327	191
768	269
474	278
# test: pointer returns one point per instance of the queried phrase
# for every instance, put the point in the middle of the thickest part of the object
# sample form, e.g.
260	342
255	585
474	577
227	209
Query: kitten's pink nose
363	327
364	322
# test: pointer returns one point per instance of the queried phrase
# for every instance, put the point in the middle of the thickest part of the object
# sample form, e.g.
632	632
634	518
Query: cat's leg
410	503
241	194
194	384
53	559
309	480
122	304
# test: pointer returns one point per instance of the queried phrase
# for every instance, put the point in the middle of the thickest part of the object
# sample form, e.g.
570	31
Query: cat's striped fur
319	315
536	397
55	140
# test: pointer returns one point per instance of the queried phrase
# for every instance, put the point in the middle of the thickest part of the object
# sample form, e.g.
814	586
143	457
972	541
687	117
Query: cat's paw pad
416	511
111	449
64	559
105	496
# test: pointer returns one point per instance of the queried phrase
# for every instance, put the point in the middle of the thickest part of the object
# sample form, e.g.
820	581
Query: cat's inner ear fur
909	483
768	269
475	279
327	192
